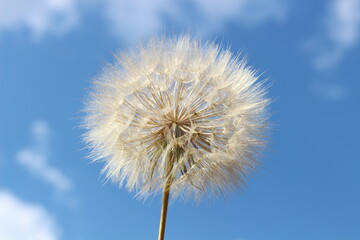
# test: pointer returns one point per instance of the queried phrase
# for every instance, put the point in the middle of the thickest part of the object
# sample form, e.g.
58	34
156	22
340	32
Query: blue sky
309	181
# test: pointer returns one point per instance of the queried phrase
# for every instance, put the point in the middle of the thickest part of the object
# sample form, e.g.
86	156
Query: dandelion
177	116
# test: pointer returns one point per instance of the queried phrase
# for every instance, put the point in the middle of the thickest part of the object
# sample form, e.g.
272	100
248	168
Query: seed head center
178	124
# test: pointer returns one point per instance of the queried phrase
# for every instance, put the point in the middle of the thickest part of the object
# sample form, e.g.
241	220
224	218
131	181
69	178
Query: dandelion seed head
178	103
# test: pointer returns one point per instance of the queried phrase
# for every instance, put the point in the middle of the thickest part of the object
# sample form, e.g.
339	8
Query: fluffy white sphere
176	111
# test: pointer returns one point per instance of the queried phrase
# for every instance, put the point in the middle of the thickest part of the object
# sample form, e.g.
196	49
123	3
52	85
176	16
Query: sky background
308	187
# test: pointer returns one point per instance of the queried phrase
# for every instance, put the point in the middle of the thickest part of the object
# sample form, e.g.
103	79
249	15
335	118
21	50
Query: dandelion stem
166	193
164	207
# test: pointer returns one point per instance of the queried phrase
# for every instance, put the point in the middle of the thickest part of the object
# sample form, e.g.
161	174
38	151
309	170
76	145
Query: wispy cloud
38	16
132	20
246	12
328	91
341	33
35	158
20	220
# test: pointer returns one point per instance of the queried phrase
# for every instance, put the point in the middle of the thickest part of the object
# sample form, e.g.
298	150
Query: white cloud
132	20
328	91
342	30
244	11
20	220
35	158
38	16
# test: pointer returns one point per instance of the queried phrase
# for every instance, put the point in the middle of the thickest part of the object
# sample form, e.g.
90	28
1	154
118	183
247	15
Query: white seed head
176	109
